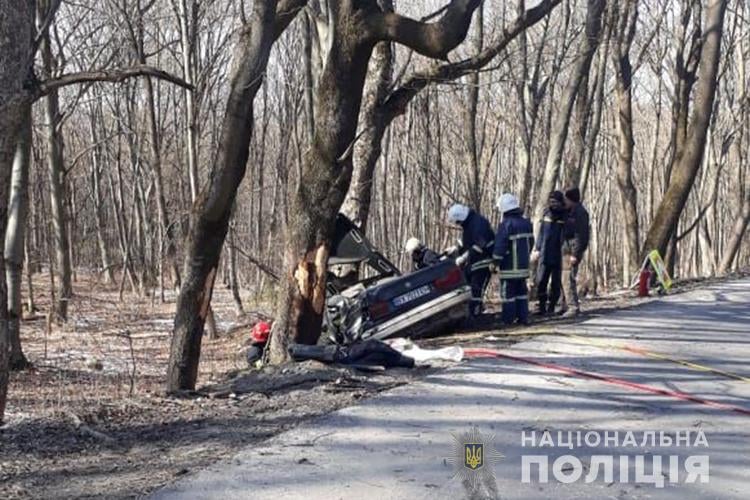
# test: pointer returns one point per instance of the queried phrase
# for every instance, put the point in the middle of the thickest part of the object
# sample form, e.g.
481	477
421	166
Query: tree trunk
589	43
737	234
16	35
213	208
99	216
689	160
14	240
471	135
325	180
57	187
623	88
368	148
355	28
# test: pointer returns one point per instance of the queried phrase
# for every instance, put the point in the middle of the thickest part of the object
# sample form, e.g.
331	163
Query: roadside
680	429
75	430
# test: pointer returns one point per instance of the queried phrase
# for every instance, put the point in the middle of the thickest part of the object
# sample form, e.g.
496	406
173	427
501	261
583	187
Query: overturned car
387	303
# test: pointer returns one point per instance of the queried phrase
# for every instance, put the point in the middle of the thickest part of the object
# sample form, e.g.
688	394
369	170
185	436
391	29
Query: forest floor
90	419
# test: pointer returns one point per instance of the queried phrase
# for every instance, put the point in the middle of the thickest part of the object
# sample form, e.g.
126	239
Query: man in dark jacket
474	251
548	252
511	256
575	243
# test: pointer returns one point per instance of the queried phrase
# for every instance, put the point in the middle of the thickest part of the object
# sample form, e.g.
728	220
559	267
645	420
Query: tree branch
44	27
433	40
396	103
107	75
286	11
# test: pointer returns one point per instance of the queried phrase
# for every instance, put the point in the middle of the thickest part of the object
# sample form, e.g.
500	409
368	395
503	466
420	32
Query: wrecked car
385	302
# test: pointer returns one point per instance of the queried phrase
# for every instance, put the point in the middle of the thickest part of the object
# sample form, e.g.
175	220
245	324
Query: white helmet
507	202
458	213
412	245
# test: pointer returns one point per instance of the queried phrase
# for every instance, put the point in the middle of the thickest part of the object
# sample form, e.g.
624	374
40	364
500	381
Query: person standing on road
548	252
575	243
511	258
474	251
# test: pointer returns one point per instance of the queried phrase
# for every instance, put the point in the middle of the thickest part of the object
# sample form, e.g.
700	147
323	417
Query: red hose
491	353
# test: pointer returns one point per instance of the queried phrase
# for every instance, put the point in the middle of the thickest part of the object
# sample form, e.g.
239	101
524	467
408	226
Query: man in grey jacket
575	243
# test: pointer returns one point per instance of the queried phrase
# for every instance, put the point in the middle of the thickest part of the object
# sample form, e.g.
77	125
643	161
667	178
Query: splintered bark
589	43
14	241
689	160
16	35
213	208
325	179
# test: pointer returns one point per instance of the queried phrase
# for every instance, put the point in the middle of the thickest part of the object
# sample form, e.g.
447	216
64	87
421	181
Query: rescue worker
421	256
511	256
575	243
474	251
548	252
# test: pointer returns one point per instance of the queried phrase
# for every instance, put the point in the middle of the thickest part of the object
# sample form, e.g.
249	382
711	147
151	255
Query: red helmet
260	332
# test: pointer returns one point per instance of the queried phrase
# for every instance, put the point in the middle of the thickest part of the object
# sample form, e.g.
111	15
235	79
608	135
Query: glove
451	250
462	260
534	256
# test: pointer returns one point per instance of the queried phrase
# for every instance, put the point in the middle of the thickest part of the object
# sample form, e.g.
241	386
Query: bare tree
588	45
627	18
212	210
689	158
356	28
14	240
16	39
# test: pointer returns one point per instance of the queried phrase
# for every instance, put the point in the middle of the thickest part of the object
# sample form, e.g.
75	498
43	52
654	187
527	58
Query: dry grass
80	424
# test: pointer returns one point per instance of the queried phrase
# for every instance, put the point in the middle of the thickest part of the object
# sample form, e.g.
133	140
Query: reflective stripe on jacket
513	243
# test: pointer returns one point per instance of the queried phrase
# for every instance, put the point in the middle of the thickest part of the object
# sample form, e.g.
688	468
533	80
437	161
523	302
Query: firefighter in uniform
474	251
513	243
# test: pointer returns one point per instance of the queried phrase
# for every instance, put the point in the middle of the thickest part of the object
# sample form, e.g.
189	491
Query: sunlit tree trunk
15	235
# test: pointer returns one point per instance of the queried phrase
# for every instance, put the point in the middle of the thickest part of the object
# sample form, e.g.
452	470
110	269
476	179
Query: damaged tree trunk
325	180
355	28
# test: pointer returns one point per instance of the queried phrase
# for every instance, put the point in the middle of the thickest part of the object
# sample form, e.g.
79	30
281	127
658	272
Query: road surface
401	443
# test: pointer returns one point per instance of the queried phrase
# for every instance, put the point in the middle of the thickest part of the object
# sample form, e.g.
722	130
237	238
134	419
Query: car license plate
410	296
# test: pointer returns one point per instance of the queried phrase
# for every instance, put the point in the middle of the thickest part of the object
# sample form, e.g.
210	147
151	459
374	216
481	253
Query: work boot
571	313
541	309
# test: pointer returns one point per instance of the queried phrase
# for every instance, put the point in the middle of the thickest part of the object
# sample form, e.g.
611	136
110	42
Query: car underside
386	303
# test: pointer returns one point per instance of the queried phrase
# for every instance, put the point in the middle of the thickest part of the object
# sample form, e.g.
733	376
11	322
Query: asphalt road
401	444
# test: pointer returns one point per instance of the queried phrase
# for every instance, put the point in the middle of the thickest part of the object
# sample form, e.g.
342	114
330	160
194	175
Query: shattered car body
388	303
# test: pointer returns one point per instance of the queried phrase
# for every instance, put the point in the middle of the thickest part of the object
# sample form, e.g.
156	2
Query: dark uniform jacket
478	239
424	257
550	241
513	243
576	235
